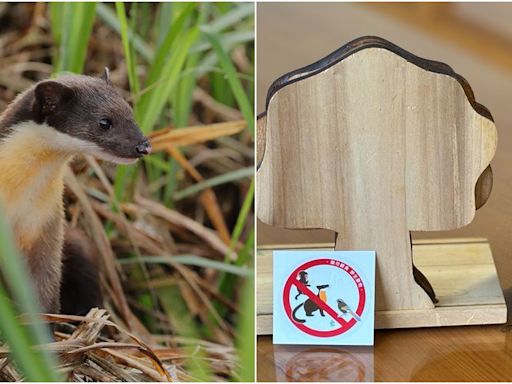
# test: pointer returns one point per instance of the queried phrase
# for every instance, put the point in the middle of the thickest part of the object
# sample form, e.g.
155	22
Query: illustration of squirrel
310	306
40	132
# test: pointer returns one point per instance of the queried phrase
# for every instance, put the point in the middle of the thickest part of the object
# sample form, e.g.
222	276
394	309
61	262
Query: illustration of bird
344	308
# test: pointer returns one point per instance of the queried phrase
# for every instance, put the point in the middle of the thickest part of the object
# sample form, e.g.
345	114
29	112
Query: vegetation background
174	233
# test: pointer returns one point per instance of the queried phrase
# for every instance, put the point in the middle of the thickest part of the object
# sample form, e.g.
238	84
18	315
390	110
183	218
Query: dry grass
94	348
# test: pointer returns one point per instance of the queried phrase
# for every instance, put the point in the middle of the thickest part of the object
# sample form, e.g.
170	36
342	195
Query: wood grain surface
476	353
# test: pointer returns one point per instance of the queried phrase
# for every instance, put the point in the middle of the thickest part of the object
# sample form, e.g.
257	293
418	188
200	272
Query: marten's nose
144	148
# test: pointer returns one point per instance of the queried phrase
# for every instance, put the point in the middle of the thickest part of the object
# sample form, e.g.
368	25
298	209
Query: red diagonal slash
319	302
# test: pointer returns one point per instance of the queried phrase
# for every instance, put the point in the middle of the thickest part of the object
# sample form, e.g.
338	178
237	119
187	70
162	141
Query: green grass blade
232	17
245	256
226	40
172	182
84	14
162	55
242	216
233	80
56	18
185	326
37	365
33	366
122	187
226	283
194	260
154	161
165	13
110	18
73	24
130	64
182	99
219	91
145	19
158	97
214	181
245	341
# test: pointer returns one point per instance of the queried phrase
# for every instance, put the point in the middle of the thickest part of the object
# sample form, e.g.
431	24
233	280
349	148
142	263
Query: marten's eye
105	123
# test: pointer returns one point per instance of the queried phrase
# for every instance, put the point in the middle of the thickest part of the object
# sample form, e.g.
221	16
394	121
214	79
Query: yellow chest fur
31	184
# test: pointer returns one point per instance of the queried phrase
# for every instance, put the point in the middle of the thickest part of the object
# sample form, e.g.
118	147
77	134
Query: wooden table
472	353
477	353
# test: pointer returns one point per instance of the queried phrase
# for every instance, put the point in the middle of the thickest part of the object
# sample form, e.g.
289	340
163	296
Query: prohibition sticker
317	299
324	297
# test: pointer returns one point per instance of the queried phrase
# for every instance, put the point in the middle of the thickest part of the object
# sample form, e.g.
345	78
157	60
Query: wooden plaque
373	142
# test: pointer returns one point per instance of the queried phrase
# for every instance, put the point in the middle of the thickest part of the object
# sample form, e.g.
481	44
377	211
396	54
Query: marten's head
82	114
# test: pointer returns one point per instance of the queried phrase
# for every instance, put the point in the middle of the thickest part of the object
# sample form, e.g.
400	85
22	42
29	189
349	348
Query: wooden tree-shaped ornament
373	142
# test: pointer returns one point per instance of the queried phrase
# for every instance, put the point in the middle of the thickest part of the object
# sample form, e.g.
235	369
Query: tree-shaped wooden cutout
373	142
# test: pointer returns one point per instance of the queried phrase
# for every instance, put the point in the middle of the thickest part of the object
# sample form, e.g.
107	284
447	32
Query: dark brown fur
80	288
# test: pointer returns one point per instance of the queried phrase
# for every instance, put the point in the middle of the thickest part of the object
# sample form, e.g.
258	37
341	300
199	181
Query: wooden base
461	271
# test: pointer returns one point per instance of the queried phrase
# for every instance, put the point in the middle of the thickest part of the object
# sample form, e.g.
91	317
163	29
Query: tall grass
234	82
71	26
176	48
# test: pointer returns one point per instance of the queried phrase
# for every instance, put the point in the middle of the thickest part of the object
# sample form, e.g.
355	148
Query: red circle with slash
344	325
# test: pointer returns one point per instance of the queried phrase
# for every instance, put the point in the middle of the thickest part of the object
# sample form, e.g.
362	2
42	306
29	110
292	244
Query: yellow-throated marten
40	132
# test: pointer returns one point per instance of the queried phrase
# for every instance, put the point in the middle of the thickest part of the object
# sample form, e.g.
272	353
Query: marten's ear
49	95
106	76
